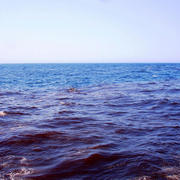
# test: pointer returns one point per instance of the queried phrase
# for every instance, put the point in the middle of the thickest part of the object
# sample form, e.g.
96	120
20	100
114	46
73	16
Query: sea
90	121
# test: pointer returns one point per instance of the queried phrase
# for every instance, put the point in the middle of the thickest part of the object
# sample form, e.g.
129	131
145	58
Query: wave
2	113
125	131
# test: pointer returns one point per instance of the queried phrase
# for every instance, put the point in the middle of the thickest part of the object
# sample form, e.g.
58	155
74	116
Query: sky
85	31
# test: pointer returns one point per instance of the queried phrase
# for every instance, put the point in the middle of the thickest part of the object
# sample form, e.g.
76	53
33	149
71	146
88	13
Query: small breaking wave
2	113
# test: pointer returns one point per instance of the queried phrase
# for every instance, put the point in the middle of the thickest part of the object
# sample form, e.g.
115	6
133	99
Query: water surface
90	121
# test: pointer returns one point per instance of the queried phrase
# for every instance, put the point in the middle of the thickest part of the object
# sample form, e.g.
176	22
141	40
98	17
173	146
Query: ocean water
90	121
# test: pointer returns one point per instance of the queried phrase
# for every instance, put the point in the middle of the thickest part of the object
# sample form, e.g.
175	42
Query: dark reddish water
125	130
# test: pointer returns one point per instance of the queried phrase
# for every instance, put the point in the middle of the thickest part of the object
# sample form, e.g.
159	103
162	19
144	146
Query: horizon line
91	62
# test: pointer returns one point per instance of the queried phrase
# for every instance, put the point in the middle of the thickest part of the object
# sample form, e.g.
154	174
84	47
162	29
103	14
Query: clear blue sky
89	31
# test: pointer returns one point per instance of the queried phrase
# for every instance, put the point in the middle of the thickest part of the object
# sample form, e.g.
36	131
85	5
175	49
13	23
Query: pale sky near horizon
64	31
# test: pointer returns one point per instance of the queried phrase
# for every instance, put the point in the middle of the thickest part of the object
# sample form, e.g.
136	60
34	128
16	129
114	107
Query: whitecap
20	173
2	113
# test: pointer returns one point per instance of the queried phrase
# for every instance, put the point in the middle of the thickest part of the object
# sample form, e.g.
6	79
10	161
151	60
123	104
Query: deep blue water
31	76
90	121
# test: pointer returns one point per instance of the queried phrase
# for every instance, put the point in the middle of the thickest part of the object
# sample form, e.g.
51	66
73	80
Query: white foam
2	113
143	178
19	174
171	170
173	177
23	160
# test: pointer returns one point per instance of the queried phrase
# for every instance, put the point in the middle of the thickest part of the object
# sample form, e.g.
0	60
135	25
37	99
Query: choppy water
90	121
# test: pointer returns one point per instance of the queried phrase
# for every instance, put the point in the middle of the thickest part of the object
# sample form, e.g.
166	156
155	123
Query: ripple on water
106	132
